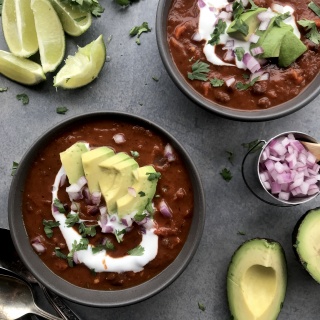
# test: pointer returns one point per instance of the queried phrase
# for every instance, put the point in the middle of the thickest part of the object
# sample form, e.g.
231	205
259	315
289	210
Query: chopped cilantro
201	306
252	144
149	207
61	110
245	76
118	234
314	8
230	156
1	88
23	98
241	26
226	174
138	30
72	219
107	246
137	251
199	71
215	82
59	206
313	35
244	86
155	79
14	168
280	18
141	194
87	231
239	52
135	154
253	6
139	217
237	9
218	30
92	6
153	175
59	254
93	271
241	233
123	2
48	225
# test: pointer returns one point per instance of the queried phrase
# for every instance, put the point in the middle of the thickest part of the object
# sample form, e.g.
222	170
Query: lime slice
83	67
74	21
18	27
50	34
20	69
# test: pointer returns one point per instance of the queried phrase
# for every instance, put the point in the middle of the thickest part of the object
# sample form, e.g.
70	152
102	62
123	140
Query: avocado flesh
90	163
129	204
256	281
71	160
307	242
250	19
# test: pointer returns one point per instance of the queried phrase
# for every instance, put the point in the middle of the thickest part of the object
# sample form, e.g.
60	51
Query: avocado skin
274	310
295	239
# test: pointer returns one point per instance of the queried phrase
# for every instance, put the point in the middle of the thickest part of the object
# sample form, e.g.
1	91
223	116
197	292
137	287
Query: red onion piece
266	15
168	153
63	180
264	25
229	56
256	51
165	209
37	244
119	138
92	210
251	63
228	7
254	38
230	82
228	45
201	4
96	197
197	37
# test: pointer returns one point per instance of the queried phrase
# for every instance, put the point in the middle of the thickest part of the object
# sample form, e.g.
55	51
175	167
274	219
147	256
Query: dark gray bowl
260	115
95	297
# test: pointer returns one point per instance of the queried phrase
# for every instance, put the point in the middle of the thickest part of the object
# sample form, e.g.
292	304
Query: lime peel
82	68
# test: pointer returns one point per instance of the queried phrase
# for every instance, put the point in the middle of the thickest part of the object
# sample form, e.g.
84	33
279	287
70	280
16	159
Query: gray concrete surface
126	84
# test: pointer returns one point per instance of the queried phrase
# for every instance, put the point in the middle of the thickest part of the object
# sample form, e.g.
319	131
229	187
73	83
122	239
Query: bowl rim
98	298
306	96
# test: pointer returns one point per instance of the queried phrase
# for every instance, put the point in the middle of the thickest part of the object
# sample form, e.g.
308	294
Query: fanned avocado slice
257	280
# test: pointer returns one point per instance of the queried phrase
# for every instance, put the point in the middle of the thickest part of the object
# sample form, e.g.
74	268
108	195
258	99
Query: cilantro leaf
137	251
87	231
135	154
153	175
92	6
241	233
252	144
3	89
107	246
314	8
139	217
149	207
241	26
230	156
14	168
244	86
253	6
237	9
23	98
313	35
59	206
201	306
61	110
226	174
239	52
199	71
123	2
215	82
59	254
72	219
138	30
280	18
218	30
119	234
141	194
48	225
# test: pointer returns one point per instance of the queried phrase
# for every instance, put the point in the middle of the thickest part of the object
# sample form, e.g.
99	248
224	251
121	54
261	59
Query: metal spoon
16	300
10	261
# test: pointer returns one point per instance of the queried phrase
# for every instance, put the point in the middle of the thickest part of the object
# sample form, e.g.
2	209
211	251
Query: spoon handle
39	312
62	309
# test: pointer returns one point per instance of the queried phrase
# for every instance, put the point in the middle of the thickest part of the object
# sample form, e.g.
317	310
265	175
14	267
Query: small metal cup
293	201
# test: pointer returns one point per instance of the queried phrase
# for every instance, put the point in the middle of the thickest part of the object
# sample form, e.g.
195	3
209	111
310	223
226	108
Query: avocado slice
71	161
306	242
257	280
291	49
145	189
250	19
90	163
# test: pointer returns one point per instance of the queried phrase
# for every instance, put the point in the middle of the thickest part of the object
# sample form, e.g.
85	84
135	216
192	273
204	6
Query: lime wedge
50	34
20	69
74	21
83	67
18	27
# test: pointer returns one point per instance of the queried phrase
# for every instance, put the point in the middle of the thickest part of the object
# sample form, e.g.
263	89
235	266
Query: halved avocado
306	242
257	280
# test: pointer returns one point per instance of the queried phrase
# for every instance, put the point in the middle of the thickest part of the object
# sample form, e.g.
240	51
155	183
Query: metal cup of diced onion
287	170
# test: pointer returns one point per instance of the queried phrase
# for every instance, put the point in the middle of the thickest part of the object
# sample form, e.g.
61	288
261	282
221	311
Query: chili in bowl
245	60
106	209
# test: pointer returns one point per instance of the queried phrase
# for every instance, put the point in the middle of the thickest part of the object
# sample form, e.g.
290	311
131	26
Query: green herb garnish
241	233
153	175
155	79
215	82
61	110
239	52
23	98
59	254
48	225
138	30
87	230
139	217
253	6
107	246
92	6
230	156
137	251
254	145
218	30
199	71
72	219
280	18
226	174
135	154
244	86
241	26
3	89
59	206
313	35
14	168
201	306
314	8
149	207
237	9
118	234
141	194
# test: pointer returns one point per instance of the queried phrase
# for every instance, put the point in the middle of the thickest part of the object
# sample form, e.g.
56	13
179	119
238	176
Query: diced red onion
223	15
164	209
230	81
265	76
251	63
92	210
264	25
103	210
277	7
266	15
257	50
96	197
168	153
37	244
228	7
201	4
254	38
126	221
119	138
75	258
197	37
74	206
228	45
63	180
229	56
